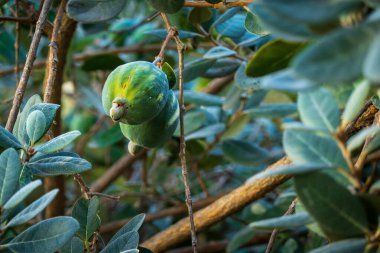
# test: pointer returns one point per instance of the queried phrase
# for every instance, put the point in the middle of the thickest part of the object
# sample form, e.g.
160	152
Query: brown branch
217	211
182	153
218	84
64	28
28	66
221	5
150	217
17	45
115	171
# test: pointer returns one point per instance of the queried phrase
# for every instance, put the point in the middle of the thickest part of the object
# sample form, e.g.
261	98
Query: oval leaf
283	222
218	52
10	169
133	225
8	140
46	236
35	126
85	211
21	194
167	6
344	246
58	142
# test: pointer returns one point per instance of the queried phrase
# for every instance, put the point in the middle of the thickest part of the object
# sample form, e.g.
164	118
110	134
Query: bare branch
28	66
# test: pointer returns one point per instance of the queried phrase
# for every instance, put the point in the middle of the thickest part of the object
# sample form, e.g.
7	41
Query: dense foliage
263	79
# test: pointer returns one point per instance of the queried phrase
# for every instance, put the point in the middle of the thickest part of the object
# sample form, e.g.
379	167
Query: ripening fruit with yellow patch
135	92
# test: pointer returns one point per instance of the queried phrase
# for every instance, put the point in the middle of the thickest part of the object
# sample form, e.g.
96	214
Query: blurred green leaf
102	62
283	222
201	98
372	61
349	245
355	102
196	68
240	238
318	108
46	236
358	139
338	56
90	11
199	15
272	110
218	52
10	168
338	213
244	152
108	137
243	81
273	56
253	24
285	80
207	131
236	127
162	33
85	211
222	67
167	6
193	120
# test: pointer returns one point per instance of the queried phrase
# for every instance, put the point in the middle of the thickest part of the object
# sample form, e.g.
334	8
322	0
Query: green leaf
196	68
126	241
192	121
243	81
8	140
108	137
89	11
355	102
102	62
244	152
19	130
338	213
338	56
58	142
46	236
169	72
272	110
273	56
240	238
372	61
85	211
207	131
167	6
21	194
225	16
35	126
285	80
75	245
201	98
218	52
308	147
344	246
294	169
10	169
199	15
49	111
236	127
57	164
222	67
232	27
283	222
133	225
253	24
358	139
33	209
319	108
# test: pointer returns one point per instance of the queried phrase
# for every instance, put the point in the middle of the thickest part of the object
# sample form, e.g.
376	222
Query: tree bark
217	211
65	34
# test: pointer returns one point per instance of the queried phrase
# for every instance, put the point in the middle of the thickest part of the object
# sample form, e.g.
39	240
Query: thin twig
290	210
86	191
28	66
161	55
17	46
182	152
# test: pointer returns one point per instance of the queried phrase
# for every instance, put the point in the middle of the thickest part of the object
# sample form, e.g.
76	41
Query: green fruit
133	148
157	131
135	92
